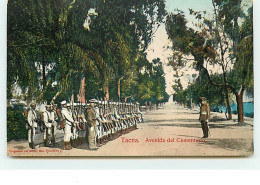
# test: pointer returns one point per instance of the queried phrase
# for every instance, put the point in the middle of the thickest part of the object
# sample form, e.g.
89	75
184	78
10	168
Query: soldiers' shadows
83	146
197	125
20	147
189	136
178	125
161	121
190	113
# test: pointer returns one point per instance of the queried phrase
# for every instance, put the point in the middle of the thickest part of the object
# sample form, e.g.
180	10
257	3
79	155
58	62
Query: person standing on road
204	116
48	119
54	125
91	122
32	121
66	114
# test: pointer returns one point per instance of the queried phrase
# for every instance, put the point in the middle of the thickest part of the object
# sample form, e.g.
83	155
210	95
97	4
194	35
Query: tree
48	42
210	42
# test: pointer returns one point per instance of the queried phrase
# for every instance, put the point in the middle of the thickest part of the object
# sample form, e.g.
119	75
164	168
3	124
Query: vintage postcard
146	78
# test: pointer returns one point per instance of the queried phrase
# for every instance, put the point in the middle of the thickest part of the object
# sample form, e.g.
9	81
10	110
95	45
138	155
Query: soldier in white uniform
139	113
99	127
48	120
54	125
74	132
66	115
32	121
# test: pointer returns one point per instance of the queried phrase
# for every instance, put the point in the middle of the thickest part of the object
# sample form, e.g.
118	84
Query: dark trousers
205	128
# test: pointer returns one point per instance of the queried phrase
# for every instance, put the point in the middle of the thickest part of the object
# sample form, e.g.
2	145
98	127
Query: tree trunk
56	95
43	70
226	91
223	63
118	89
239	96
240	112
228	104
106	90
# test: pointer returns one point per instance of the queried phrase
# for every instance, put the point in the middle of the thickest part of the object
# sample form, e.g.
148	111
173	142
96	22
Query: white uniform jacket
32	117
48	118
67	116
116	114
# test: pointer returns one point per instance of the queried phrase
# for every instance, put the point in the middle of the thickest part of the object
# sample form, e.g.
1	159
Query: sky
160	39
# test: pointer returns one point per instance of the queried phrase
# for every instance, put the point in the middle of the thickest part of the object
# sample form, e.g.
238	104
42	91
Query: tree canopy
49	50
224	40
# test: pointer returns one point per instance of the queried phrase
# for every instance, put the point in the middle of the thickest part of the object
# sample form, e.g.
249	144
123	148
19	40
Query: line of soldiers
95	123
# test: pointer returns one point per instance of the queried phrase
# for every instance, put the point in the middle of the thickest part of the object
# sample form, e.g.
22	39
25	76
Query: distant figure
204	116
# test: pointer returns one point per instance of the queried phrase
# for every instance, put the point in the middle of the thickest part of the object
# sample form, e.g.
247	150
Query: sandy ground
169	131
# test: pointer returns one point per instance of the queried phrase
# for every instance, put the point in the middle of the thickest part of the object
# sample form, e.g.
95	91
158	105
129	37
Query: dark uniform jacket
91	116
204	112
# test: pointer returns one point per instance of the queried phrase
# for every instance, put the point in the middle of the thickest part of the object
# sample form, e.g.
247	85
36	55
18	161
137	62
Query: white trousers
31	134
98	131
47	132
75	133
67	133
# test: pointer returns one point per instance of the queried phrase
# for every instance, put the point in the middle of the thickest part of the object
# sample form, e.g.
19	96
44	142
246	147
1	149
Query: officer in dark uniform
91	122
204	116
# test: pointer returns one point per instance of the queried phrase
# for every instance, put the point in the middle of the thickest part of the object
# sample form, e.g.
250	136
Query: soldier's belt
204	113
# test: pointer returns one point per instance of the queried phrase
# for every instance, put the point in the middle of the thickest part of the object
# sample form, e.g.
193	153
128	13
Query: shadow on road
196	125
230	144
172	120
20	147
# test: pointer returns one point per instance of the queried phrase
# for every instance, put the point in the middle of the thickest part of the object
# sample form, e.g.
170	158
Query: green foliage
151	82
15	124
200	88
218	41
48	43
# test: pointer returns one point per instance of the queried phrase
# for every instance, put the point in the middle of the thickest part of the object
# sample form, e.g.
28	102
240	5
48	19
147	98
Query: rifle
102	114
108	116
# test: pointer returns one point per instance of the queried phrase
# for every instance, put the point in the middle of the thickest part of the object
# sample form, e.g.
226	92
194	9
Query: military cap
203	98
32	103
63	102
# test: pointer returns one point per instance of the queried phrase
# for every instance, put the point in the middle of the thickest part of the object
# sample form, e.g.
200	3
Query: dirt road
169	131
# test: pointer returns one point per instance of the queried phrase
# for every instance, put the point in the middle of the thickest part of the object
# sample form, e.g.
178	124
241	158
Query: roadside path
169	131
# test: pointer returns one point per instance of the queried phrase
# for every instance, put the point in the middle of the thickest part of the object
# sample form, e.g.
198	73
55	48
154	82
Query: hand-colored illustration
130	78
